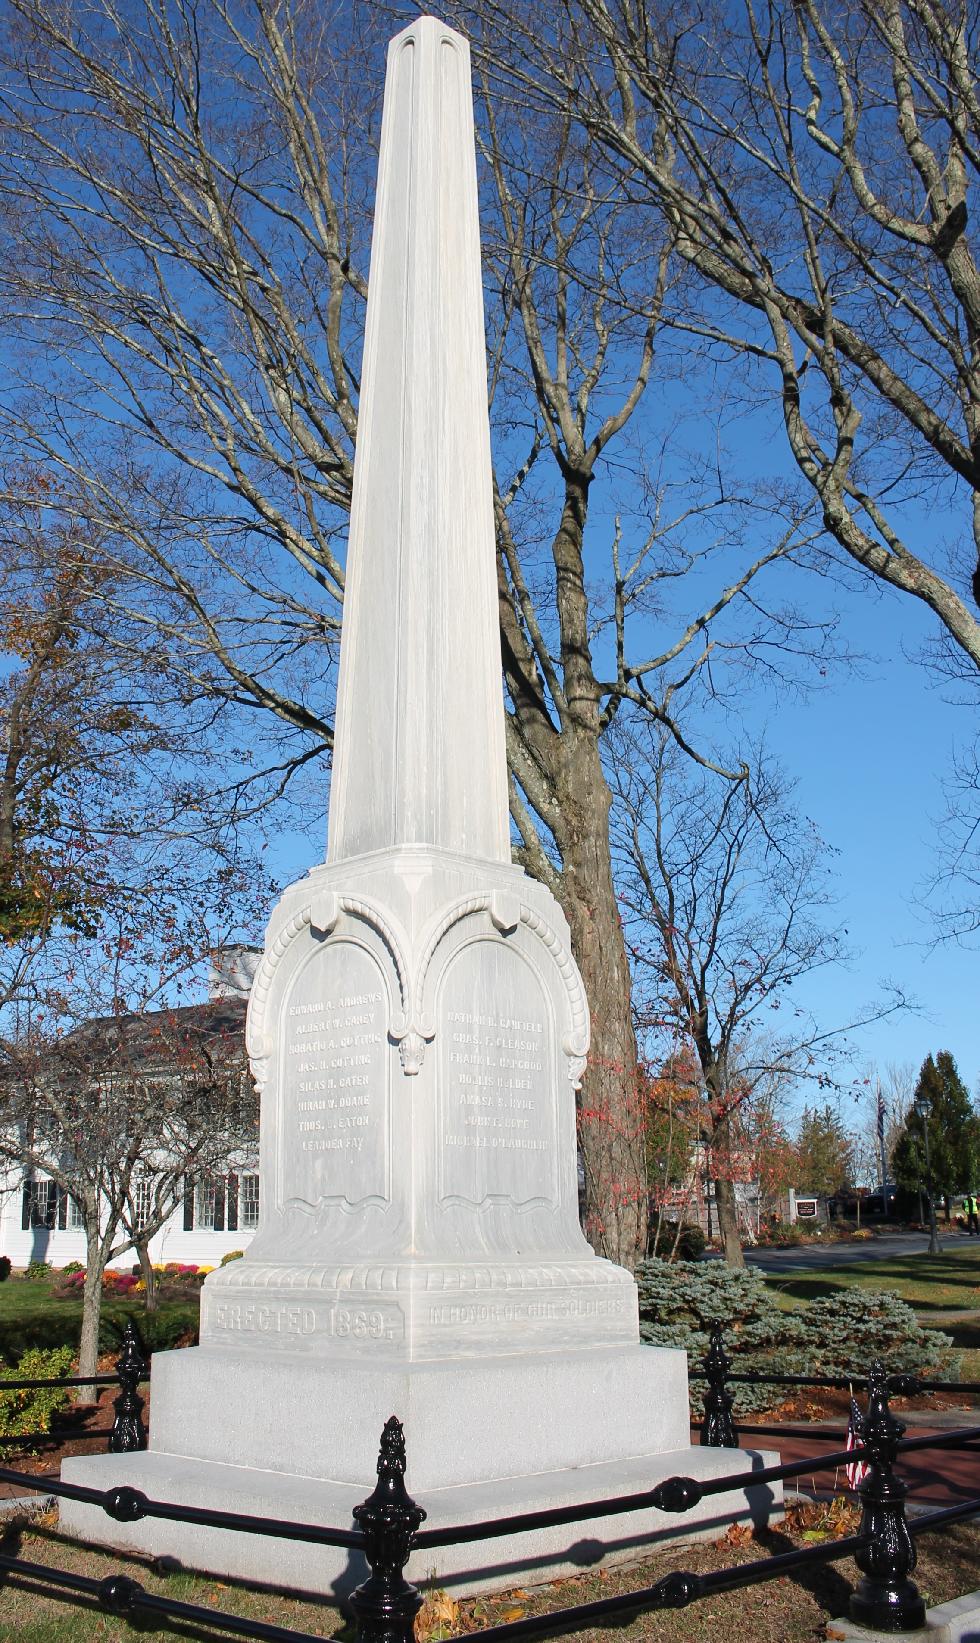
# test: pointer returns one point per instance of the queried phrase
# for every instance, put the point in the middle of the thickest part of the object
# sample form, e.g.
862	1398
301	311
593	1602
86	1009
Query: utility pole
923	1107
882	1150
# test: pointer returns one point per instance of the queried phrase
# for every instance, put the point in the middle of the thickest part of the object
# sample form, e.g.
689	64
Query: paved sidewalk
934	1477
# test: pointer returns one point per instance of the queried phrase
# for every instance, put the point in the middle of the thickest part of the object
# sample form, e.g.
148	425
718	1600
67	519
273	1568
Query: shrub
119	1283
847	1330
4	1268
38	1269
31	1413
71	1284
692	1242
72	1267
158	1331
682	1300
232	1255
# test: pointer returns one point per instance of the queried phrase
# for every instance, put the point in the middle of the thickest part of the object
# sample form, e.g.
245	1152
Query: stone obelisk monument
417	1027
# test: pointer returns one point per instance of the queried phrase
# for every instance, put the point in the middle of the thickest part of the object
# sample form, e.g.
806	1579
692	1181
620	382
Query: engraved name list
335	1053
498	1129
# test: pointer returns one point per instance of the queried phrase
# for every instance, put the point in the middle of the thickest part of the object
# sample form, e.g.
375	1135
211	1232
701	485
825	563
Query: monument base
285	1437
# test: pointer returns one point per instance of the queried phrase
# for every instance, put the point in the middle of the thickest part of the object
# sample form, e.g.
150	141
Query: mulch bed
45	1455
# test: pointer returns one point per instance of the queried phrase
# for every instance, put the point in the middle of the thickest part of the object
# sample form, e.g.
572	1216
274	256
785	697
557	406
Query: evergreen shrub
847	1330
31	1412
680	1301
691	1243
839	1335
4	1268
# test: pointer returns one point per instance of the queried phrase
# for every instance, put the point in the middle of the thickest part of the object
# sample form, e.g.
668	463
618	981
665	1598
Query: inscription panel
334	1141
497	1129
307	1321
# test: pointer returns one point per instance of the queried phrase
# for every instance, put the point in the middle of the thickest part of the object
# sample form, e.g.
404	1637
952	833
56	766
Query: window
142	1202
205	1203
249	1201
76	1220
40	1204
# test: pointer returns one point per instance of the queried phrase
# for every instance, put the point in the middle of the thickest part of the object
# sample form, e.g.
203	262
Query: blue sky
870	754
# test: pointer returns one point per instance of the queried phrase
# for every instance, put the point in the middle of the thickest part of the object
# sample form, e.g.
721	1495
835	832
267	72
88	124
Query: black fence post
385	1605
128	1432
885	1597
717	1428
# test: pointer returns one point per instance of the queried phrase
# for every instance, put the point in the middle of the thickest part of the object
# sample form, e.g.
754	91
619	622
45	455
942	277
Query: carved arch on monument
506	913
321	915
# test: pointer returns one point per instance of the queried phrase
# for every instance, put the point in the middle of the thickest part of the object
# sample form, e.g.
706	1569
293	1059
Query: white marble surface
418	1028
465	1422
419	753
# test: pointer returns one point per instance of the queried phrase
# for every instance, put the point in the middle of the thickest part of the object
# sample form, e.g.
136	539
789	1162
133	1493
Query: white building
40	1222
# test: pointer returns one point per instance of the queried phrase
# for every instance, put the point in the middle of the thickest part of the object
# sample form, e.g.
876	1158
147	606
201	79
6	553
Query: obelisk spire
419	756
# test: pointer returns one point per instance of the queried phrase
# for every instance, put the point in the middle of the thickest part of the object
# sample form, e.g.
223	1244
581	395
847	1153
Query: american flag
857	1470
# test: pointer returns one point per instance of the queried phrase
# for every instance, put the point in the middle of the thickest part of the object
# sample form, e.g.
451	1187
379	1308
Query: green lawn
28	1617
32	1315
933	1285
929	1283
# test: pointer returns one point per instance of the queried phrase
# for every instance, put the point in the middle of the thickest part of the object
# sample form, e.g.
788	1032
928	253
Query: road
807	1256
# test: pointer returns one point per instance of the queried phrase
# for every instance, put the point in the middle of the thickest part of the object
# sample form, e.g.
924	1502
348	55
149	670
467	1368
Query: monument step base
479	1566
465	1421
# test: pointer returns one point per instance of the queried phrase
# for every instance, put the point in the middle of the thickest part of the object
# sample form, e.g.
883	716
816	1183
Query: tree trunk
88	1346
611	1118
149	1278
731	1243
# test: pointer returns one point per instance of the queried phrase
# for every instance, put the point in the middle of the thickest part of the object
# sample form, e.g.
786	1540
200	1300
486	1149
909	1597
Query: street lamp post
924	1107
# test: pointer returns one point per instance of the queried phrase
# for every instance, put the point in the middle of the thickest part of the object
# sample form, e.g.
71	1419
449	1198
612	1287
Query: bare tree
182	258
151	1099
811	166
723	891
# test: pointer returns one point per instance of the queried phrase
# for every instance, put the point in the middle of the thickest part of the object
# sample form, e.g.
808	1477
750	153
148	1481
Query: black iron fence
127	1431
720	1430
388	1525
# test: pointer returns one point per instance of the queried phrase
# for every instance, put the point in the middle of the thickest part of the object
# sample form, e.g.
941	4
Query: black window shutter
25	1209
188	1204
233	1203
219	1205
62	1209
